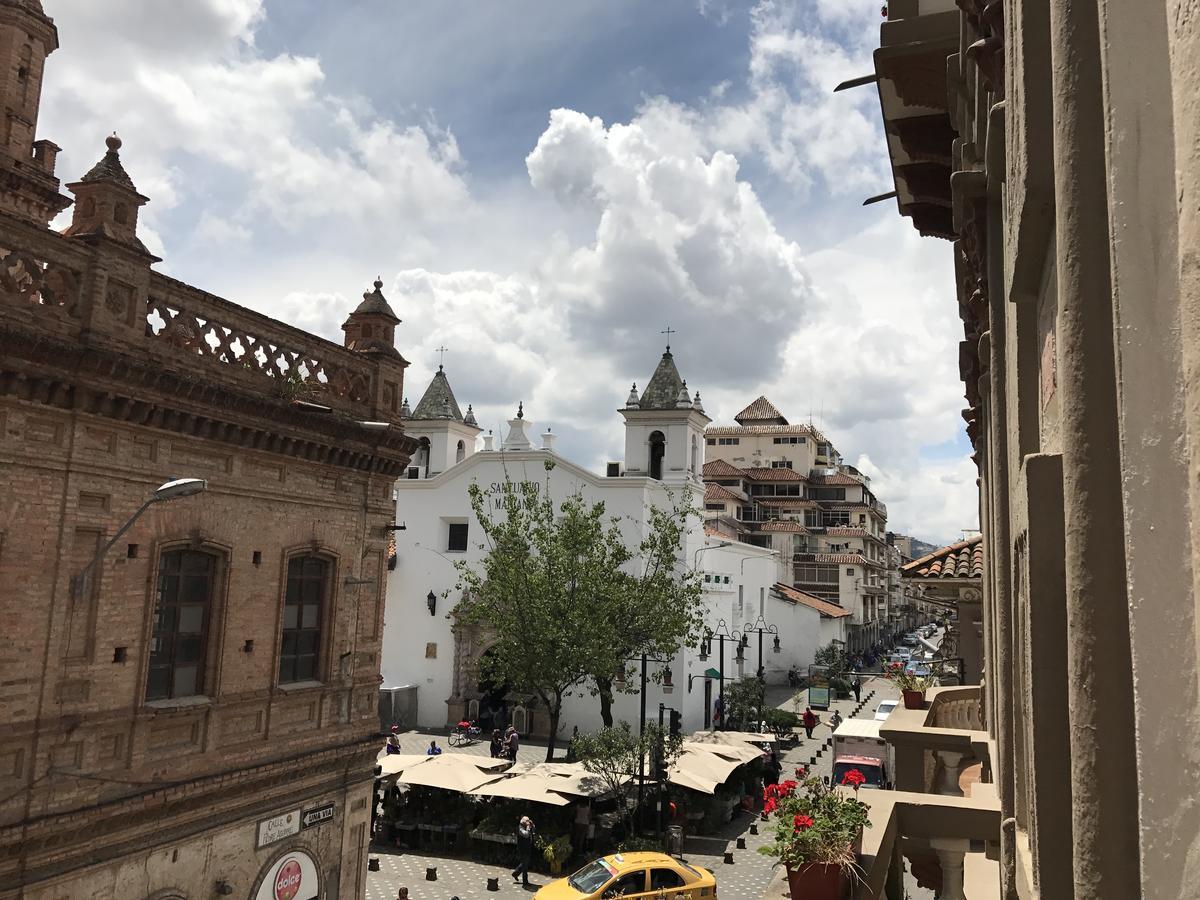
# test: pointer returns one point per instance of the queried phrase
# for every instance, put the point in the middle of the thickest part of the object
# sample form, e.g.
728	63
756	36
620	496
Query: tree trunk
555	710
606	699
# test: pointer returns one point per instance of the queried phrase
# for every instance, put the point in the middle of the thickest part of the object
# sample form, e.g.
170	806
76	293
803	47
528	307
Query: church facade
426	647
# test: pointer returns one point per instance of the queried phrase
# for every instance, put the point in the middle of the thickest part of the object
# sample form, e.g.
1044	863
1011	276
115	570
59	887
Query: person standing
512	743
809	720
497	746
856	686
525	835
835	720
774	768
434	749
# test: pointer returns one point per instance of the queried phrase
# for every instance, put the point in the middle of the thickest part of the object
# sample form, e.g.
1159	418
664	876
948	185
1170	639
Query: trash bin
675	840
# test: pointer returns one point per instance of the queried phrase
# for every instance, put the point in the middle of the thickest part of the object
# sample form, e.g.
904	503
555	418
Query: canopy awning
535	788
742	752
461	772
701	767
734	737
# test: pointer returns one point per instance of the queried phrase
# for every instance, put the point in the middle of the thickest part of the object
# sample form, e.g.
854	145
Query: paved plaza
747	878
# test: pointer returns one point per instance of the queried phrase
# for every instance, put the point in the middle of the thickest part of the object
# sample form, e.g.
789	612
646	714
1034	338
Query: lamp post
171	490
668	686
761	627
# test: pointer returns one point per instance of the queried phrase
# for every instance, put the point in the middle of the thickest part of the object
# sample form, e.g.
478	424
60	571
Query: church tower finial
107	201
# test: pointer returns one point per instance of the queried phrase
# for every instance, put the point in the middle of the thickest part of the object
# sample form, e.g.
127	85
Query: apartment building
785	487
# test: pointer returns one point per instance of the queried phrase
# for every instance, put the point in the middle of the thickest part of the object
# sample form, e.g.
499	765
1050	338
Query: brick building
197	712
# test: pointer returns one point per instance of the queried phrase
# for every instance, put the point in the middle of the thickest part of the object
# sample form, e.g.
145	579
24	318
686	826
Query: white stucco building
664	425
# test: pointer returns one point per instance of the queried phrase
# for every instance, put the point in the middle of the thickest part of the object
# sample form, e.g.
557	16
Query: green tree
744	701
562	595
612	754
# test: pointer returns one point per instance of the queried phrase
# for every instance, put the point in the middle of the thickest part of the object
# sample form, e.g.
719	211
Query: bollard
754	828
728	857
493	884
431	873
741	843
763	816
372	863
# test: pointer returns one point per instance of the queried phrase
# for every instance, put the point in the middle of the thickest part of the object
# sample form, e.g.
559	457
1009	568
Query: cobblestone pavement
746	878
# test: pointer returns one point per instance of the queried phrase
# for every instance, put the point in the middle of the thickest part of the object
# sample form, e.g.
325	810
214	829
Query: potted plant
555	852
817	832
912	686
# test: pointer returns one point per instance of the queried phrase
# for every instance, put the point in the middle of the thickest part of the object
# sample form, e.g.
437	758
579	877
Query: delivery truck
857	745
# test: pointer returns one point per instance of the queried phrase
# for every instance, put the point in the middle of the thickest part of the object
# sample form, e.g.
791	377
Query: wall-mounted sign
278	827
293	877
316	815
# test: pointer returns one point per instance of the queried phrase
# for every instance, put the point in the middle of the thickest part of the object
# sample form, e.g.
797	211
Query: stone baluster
951	761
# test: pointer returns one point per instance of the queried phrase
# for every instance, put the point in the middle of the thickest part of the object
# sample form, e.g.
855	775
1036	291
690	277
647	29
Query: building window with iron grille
182	614
303	602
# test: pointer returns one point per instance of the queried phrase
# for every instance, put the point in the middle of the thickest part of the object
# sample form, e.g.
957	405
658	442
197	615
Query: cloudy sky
545	185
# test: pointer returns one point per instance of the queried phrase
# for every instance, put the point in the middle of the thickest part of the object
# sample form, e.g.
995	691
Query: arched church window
462	452
423	456
658	449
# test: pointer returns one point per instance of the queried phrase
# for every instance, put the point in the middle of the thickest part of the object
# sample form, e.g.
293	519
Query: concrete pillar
951	854
951	772
1104	796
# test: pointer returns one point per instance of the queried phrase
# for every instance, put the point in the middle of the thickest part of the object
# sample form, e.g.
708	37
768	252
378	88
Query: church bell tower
28	187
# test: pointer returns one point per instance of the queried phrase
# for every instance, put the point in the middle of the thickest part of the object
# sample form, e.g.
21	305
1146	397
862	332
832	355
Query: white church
425	647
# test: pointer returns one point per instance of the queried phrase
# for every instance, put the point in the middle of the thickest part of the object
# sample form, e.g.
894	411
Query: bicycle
463	734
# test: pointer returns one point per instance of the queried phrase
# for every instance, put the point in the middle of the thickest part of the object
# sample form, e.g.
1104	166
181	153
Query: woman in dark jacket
525	835
497	744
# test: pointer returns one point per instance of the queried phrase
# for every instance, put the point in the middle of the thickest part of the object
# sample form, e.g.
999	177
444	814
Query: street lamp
619	681
171	490
431	602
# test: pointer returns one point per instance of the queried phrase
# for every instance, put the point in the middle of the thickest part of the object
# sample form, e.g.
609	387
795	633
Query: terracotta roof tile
714	493
824	607
762	411
842	531
735	430
839	478
849	559
785	502
718	468
961	560
784	526
762	473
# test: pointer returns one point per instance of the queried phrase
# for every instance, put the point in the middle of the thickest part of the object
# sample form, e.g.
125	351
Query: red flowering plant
899	675
814	823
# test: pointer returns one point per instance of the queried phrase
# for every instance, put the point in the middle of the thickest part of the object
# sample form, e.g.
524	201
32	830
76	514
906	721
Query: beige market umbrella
734	737
535	788
461	772
396	763
739	751
682	775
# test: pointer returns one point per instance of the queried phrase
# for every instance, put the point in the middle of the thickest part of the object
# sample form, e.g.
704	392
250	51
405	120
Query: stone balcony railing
935	745
82	294
947	844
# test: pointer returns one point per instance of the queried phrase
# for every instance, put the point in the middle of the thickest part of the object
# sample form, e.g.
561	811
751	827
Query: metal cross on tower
668	331
441	352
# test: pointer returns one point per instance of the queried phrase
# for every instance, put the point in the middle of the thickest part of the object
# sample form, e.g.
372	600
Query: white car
884	709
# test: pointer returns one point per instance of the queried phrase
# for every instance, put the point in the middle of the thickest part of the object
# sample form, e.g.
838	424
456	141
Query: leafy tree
563	596
613	754
833	656
744	700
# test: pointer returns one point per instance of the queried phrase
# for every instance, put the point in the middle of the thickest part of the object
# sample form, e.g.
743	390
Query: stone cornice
41	368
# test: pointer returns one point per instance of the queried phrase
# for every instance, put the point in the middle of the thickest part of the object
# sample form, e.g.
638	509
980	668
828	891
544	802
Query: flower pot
815	881
914	699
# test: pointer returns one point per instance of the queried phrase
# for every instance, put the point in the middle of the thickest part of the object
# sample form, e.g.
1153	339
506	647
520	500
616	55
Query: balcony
944	816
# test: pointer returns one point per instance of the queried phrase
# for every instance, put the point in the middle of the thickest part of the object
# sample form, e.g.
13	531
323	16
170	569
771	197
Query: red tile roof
842	531
785	502
824	607
735	430
961	560
762	473
718	468
839	478
784	526
714	493
761	410
849	559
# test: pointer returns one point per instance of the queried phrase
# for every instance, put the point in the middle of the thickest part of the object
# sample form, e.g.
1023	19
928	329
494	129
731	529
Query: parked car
626	874
910	640
884	709
918	668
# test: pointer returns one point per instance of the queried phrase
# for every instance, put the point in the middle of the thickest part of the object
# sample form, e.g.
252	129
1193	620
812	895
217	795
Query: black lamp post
668	686
761	627
431	602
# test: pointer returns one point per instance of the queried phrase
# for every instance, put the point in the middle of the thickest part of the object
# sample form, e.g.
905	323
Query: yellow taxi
652	876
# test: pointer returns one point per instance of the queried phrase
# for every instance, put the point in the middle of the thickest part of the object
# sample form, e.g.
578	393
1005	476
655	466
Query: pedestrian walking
809	720
856	686
512	743
393	744
774	769
835	720
525	834
497	747
434	749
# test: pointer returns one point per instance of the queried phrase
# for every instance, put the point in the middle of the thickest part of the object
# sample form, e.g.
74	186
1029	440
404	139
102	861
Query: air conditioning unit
615	470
